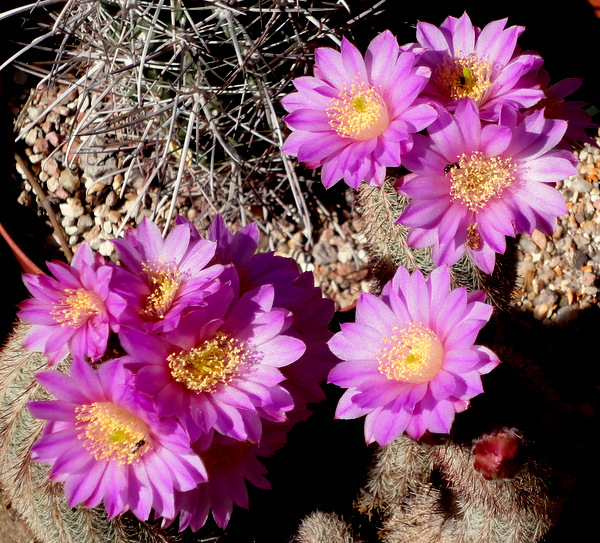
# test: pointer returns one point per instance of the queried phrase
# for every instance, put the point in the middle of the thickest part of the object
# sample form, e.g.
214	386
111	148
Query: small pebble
106	248
540	312
581	185
69	181
527	245
71	208
564	315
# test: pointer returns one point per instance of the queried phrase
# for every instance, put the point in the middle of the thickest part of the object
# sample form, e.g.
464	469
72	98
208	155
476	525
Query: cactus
41	502
380	207
442	488
321	527
186	96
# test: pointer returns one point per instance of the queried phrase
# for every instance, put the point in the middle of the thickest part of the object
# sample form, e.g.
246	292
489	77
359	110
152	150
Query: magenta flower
472	184
293	291
163	278
356	116
253	269
484	65
409	361
220	368
105	441
74	313
230	463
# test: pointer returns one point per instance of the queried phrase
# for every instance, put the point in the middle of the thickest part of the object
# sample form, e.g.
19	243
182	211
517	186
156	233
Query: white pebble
72	230
345	254
106	248
72	208
581	185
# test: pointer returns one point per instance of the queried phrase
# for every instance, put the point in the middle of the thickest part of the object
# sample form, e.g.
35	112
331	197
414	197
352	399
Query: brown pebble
539	239
588	278
50	166
540	311
47	126
53	138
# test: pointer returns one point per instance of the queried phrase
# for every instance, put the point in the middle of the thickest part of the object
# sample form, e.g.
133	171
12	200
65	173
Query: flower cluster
483	138
484	135
188	361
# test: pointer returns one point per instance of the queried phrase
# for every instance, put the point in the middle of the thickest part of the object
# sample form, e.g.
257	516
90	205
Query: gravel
558	273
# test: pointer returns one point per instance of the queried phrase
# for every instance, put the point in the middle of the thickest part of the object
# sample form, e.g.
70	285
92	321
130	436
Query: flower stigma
77	307
463	76
478	179
164	280
215	362
413	354
112	433
359	113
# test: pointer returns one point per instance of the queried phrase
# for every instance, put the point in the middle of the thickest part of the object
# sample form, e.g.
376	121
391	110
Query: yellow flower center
164	280
215	362
412	355
112	433
475	180
359	113
77	307
463	75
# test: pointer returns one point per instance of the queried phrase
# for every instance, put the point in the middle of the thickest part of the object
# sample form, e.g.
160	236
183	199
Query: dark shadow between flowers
549	390
546	386
322	466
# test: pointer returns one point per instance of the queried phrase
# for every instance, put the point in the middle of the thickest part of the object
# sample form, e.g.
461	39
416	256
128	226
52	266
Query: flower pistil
215	362
76	307
463	76
475	179
165	280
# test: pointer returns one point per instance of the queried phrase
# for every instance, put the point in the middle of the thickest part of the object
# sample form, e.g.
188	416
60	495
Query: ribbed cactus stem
379	209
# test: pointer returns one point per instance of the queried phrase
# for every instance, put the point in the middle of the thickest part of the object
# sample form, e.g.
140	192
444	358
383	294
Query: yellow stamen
77	307
413	354
112	433
165	280
215	362
477	179
463	76
358	113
